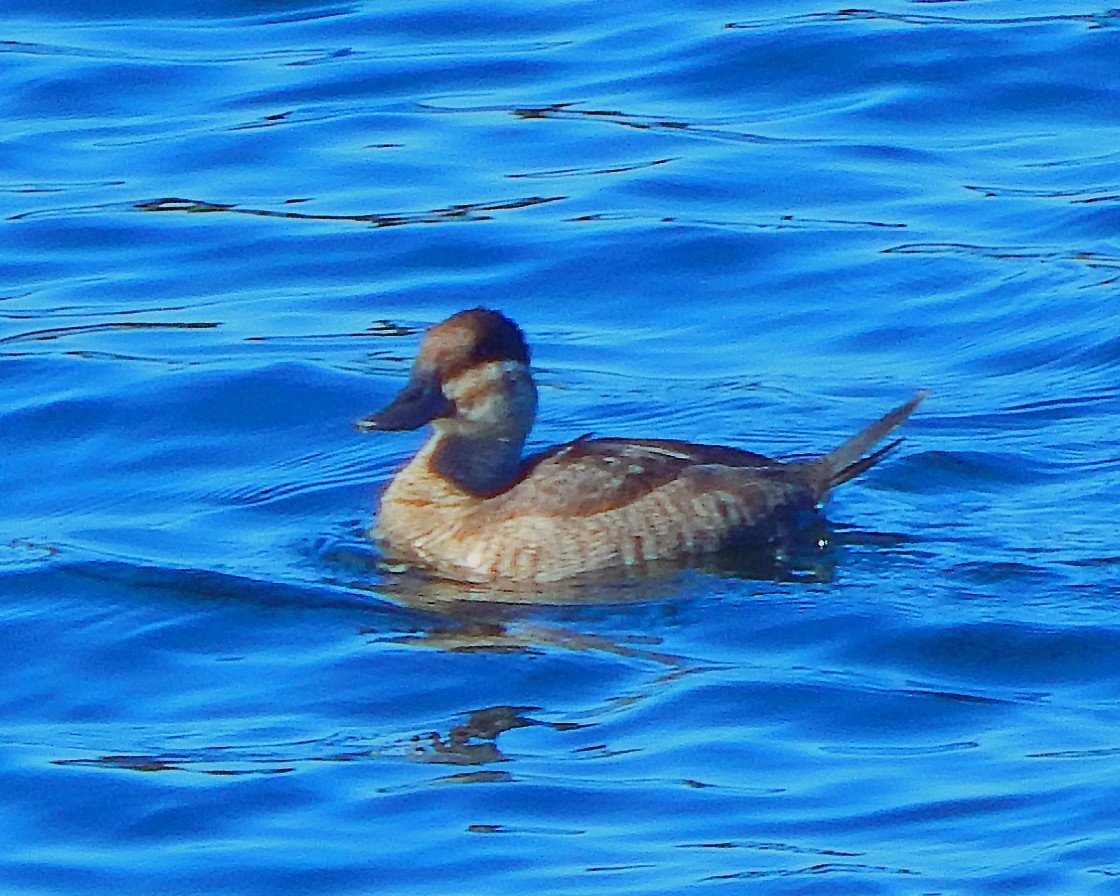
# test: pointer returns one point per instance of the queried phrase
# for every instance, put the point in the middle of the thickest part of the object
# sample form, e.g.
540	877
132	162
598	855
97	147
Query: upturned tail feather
850	459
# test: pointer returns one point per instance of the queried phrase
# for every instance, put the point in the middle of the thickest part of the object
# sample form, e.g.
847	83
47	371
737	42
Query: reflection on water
470	211
50	334
474	740
1092	20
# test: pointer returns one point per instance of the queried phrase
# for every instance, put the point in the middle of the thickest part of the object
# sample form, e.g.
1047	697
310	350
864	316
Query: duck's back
592	476
601	503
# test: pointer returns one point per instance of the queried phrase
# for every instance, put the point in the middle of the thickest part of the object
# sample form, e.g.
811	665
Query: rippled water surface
223	226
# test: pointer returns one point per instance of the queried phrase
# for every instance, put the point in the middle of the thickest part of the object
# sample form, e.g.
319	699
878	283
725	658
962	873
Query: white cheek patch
493	394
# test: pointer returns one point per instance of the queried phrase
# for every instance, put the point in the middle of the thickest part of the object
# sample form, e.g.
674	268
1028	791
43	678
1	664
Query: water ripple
476	211
1092	20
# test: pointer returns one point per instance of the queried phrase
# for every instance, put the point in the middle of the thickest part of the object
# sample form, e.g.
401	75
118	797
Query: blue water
222	227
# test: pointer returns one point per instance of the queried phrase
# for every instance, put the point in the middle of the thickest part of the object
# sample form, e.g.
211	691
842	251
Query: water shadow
469	211
1093	21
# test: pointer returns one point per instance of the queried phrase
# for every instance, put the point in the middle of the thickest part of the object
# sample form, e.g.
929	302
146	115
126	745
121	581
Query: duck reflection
474	740
606	617
465	618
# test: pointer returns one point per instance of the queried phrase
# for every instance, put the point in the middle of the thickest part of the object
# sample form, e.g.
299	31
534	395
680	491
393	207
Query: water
224	225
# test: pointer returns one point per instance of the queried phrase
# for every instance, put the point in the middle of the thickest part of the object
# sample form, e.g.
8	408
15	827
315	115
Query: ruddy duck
469	507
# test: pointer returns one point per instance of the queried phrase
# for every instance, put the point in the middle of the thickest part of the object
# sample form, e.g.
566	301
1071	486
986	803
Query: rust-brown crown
472	337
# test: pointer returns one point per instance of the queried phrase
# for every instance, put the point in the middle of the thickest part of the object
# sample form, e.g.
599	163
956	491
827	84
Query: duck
470	507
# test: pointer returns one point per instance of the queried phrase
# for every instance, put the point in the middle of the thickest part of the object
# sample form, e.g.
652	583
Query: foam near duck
469	507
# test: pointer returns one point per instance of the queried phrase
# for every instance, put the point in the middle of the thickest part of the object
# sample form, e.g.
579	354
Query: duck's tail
850	459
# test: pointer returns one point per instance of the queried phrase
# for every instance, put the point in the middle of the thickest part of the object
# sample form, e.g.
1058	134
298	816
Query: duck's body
469	508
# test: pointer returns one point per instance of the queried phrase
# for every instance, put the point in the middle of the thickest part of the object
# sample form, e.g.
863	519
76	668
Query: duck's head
470	379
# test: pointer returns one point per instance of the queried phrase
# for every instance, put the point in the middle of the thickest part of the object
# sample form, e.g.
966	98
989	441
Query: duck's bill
420	402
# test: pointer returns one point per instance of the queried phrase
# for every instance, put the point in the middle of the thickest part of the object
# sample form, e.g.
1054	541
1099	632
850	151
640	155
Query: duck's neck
478	447
481	465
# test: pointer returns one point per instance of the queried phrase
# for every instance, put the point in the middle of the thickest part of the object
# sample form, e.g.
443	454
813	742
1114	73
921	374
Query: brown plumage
468	507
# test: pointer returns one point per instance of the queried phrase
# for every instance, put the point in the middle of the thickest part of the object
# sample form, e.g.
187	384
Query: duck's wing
687	453
590	476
